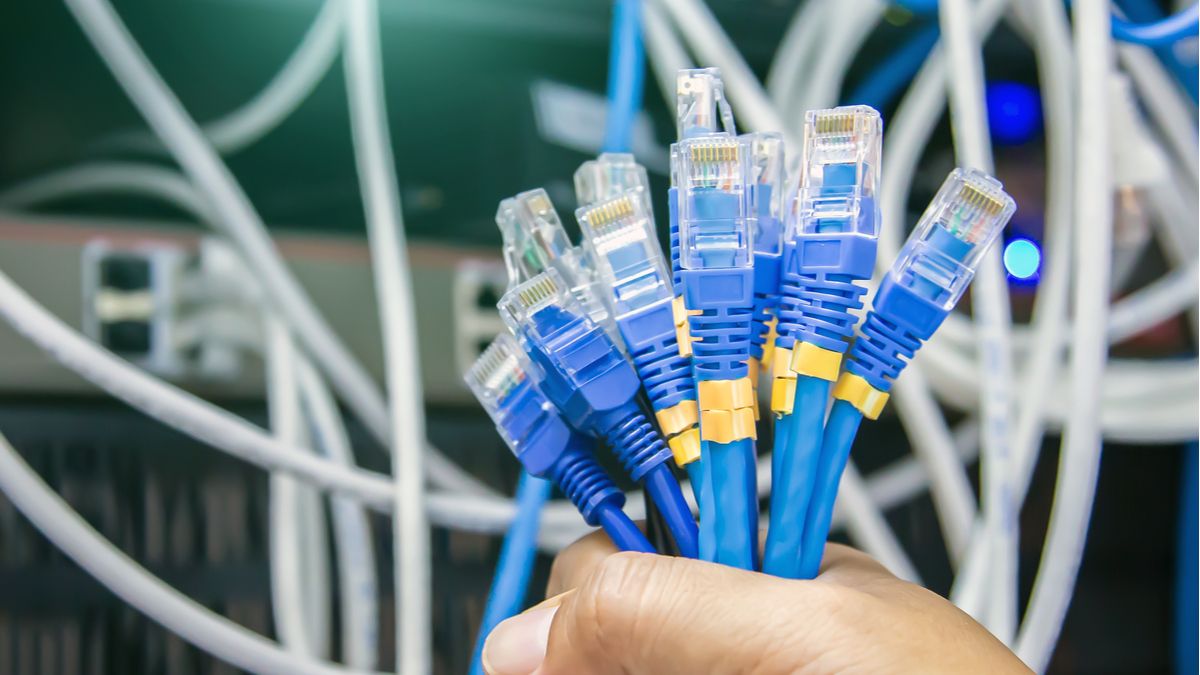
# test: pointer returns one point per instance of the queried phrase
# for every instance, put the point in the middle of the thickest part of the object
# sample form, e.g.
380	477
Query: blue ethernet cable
830	248
701	110
515	565
547	447
626	68
511	581
1184	69
717	278
617	224
619	238
1161	33
550	453
579	368
765	211
929	276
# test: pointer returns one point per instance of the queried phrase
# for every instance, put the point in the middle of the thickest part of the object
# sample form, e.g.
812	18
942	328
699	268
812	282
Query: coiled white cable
667	55
357	581
993	321
290	86
1054	58
394	293
299	570
1079	462
821	85
212	178
132	583
702	31
803	37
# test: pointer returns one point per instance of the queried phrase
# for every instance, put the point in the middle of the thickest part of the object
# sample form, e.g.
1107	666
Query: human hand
641	614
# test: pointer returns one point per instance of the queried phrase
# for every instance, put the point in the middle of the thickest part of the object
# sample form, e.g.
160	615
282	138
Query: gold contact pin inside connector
537	290
978	199
835	123
710	153
497	369
609	212
539	204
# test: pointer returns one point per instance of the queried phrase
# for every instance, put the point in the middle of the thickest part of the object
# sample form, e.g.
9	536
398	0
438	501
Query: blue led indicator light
1022	258
1014	112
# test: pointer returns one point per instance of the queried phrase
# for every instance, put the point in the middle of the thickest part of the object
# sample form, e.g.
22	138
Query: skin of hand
641	614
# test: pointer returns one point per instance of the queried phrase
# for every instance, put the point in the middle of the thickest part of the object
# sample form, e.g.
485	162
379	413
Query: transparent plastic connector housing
535	241
533	234
546	290
700	103
963	220
495	375
619	235
713	228
767	190
839	172
610	174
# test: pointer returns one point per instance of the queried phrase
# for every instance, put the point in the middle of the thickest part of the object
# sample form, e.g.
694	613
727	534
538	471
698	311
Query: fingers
574	563
638	613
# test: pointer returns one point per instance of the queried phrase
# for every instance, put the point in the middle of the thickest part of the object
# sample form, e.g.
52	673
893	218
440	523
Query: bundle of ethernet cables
750	329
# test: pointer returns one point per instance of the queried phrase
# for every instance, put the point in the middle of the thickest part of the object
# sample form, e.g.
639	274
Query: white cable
993	321
393	289
1052	45
357	582
802	38
821	86
1174	115
1153	304
867	527
907	477
1079	461
187	144
223	430
134	178
666	53
290	87
145	592
170	186
711	45
932	444
291	588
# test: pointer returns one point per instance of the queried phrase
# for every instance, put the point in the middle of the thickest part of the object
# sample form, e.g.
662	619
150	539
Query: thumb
640	614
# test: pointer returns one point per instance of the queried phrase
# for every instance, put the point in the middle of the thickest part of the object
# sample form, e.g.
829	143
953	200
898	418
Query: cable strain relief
673	210
666	376
637	445
882	350
764	311
585	483
818	308
721	342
